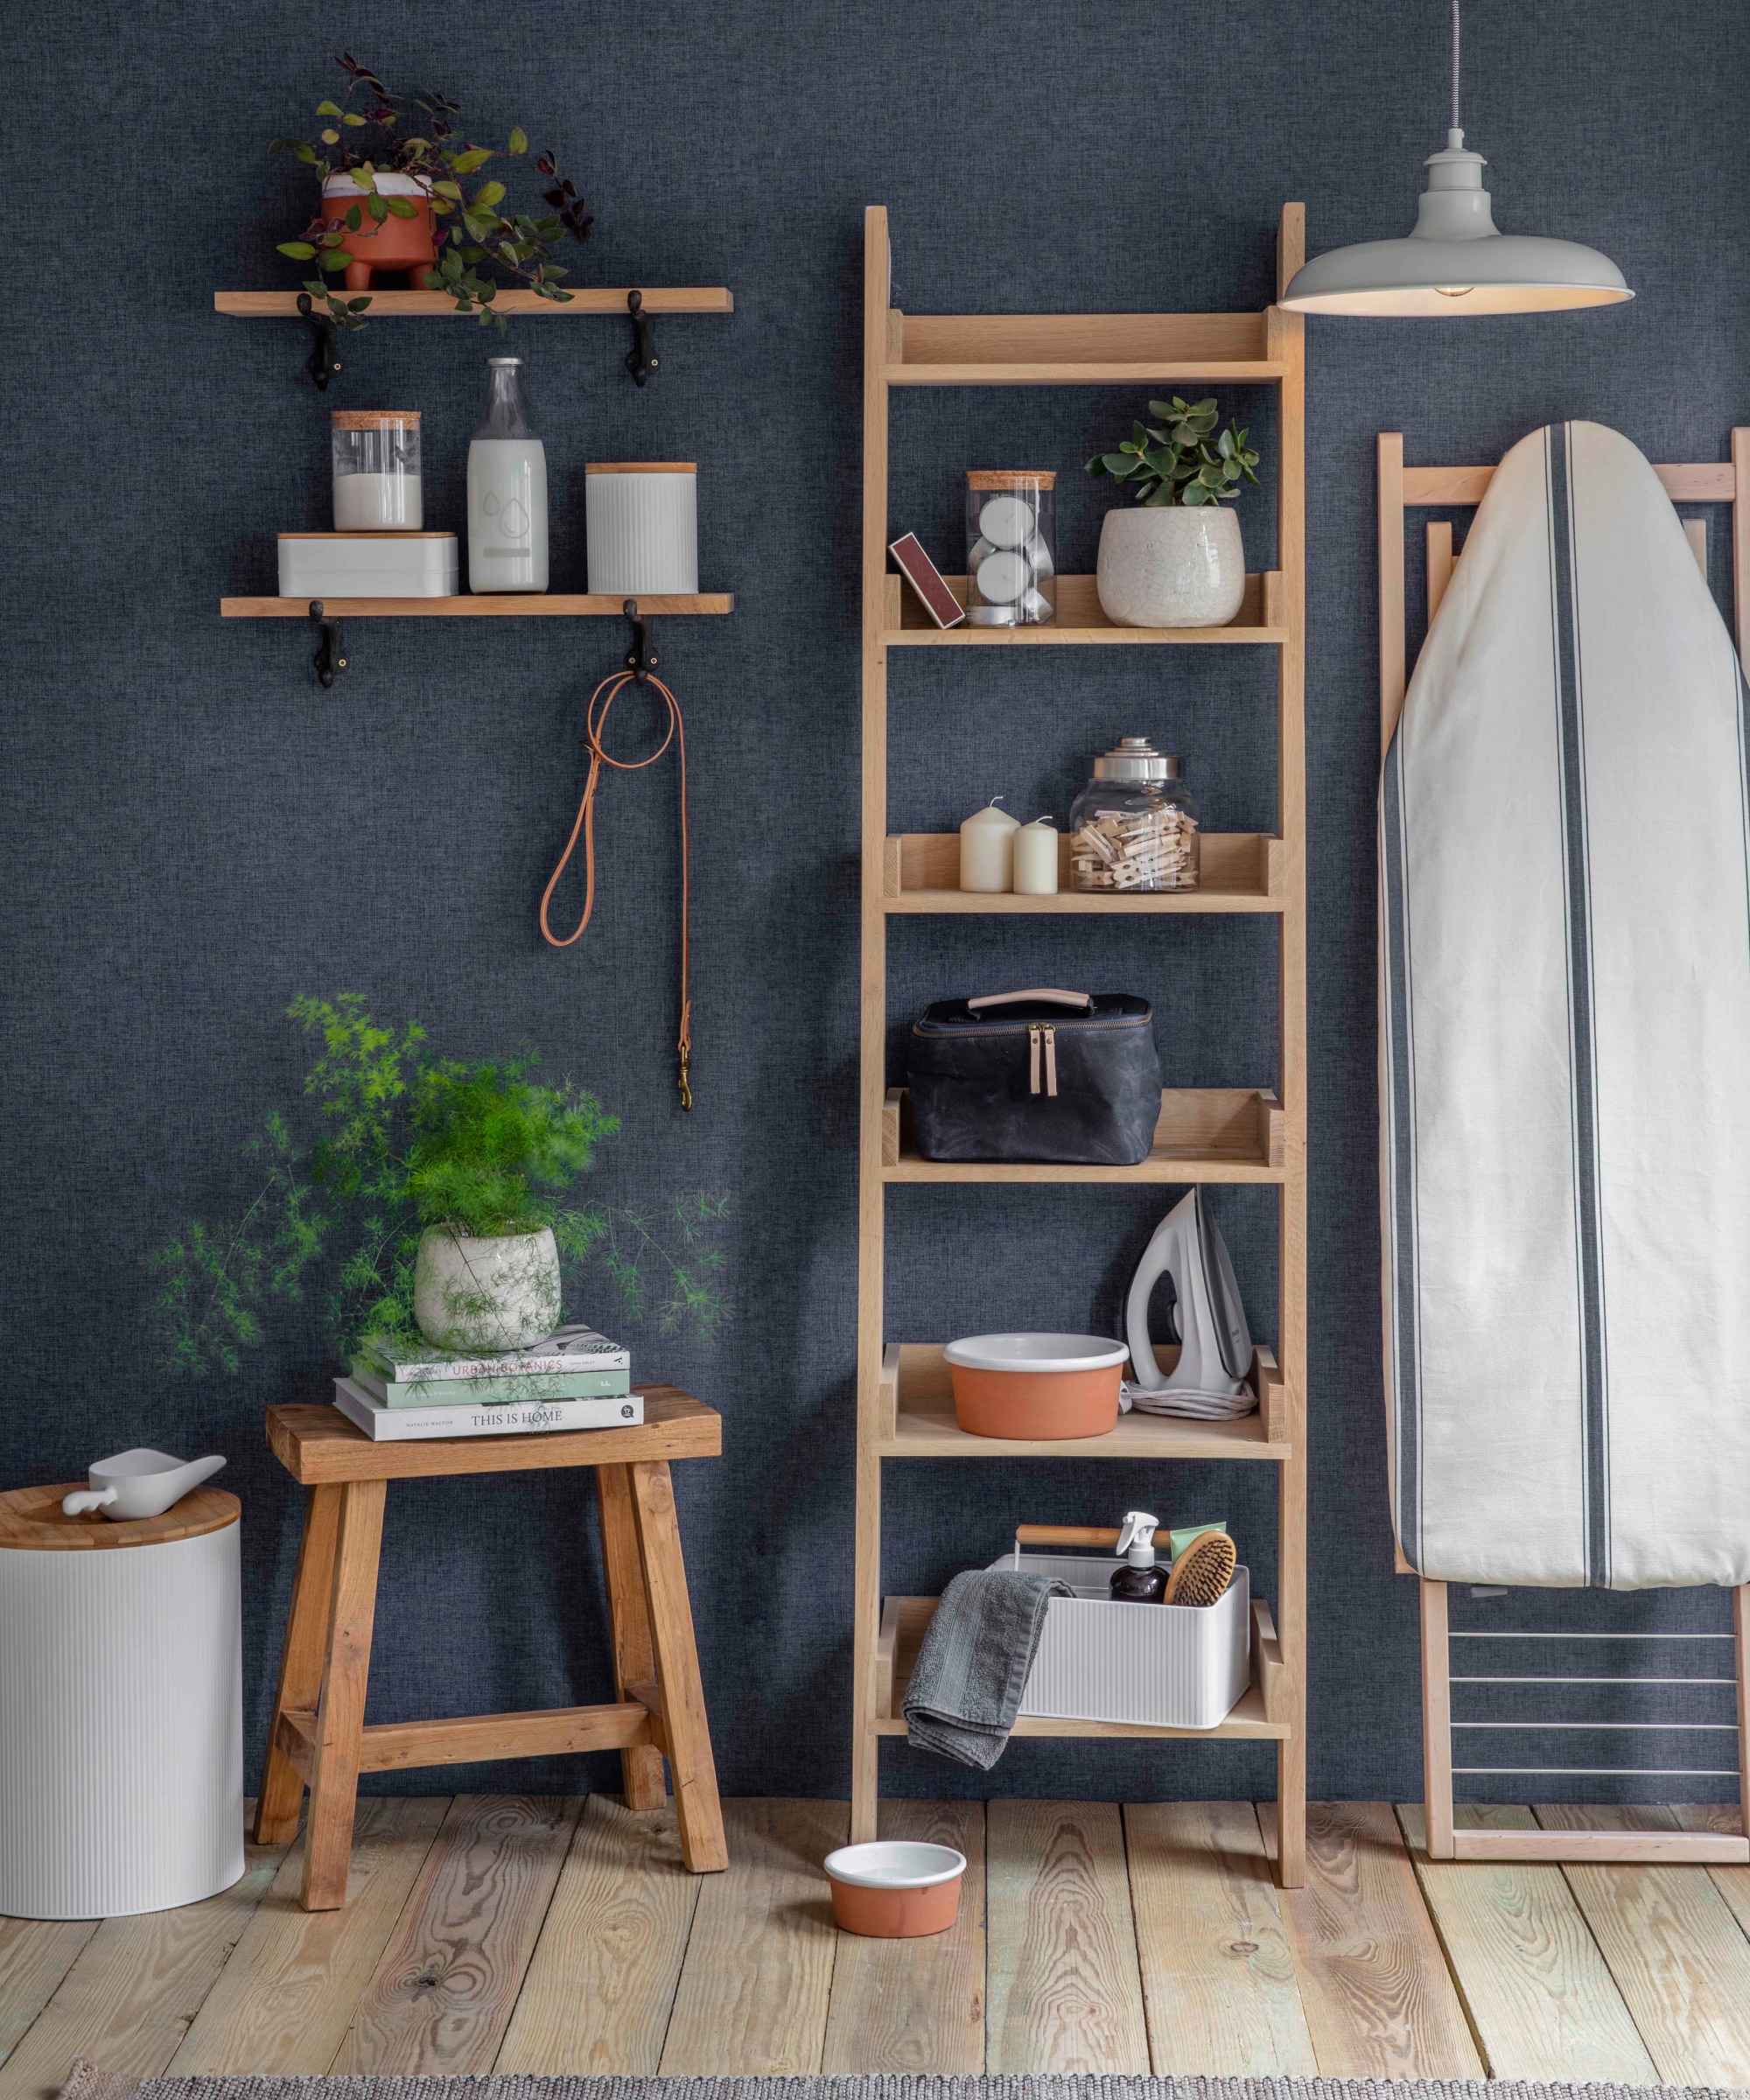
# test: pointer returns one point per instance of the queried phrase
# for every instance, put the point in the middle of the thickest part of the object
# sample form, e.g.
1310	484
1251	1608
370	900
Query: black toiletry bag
1061	1077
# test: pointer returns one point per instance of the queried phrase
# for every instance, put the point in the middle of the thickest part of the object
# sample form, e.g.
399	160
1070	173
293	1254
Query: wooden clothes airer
1402	487
595	722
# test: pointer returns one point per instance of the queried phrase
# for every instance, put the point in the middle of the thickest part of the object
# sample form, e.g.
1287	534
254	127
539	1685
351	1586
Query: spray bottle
1139	1581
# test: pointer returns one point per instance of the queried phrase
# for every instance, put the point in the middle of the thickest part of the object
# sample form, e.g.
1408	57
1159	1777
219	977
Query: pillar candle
1036	859
987	849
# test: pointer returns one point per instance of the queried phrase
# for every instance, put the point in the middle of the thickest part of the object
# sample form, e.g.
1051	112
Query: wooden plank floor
542	1934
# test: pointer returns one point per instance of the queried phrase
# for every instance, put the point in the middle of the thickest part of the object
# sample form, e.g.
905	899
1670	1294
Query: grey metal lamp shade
1454	261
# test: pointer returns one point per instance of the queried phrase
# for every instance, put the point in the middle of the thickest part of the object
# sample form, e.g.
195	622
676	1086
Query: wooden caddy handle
1066	1535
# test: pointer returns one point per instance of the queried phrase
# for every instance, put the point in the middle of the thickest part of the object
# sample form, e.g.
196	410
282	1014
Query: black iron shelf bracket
322	364
330	657
642	359
642	658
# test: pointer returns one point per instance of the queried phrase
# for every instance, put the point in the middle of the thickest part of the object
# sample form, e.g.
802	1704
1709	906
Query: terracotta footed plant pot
485	1296
409	244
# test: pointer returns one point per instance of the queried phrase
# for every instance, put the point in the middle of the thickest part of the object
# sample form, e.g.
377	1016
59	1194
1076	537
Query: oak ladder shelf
1252	1134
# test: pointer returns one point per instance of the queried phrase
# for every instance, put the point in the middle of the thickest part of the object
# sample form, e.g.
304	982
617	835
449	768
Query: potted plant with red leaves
396	171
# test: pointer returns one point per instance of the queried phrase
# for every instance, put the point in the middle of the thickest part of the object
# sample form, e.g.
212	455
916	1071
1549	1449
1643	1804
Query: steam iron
1210	1322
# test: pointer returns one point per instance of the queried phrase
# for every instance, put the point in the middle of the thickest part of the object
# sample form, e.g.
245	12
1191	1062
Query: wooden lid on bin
374	419
1010	476
31	1518
642	466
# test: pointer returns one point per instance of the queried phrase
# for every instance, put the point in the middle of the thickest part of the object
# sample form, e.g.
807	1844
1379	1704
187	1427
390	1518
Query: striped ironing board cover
1564	1047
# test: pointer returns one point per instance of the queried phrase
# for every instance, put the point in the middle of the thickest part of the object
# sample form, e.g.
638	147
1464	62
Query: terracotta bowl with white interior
1041	1388
894	1890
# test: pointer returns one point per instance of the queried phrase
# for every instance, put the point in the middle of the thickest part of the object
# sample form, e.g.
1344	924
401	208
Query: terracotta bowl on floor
1040	1387
895	1891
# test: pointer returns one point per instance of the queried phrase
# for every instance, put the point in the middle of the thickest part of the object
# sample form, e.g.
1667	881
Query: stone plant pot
1172	567
408	244
485	1296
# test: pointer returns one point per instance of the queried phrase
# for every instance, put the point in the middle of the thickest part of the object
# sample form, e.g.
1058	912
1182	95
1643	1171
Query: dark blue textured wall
197	833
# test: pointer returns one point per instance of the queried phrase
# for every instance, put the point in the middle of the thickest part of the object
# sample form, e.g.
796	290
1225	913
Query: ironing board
1510	1466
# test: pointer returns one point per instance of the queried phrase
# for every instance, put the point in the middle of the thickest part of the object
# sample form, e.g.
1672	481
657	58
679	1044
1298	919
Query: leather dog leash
606	693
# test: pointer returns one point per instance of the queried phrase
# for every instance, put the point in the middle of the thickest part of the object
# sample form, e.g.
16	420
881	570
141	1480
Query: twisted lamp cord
1455	66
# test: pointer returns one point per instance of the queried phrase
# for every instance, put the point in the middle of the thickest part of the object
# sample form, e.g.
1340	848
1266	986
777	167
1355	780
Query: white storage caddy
1160	1665
121	1706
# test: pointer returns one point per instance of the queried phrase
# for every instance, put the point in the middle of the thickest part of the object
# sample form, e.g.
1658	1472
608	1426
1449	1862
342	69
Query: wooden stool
318	1737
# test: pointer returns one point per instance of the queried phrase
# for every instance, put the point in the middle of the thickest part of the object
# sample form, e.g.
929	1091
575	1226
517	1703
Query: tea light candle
1003	577
1035	859
987	849
1006	521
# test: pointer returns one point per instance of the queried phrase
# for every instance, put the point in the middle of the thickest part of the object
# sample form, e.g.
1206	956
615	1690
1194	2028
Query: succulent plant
1184	460
418	135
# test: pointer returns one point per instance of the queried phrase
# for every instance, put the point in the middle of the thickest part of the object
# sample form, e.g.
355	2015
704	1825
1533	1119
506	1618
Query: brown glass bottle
1139	1581
1138	1586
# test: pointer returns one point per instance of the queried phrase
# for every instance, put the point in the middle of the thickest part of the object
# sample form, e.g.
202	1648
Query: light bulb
1455	292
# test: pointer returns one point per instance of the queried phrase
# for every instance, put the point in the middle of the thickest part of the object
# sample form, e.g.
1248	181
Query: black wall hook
330	658
642	658
322	363
640	359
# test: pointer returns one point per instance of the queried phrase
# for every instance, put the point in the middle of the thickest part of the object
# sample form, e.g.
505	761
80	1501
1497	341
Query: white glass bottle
506	492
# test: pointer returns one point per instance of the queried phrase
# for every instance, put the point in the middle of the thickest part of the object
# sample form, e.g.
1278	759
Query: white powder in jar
371	502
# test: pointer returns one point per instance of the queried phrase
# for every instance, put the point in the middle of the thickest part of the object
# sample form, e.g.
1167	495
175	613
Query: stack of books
576	1379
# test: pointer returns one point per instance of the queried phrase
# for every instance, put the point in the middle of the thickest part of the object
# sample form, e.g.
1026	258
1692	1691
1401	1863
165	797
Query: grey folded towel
972	1666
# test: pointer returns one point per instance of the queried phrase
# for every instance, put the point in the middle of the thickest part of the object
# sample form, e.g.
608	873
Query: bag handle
1065	1534
1079	1000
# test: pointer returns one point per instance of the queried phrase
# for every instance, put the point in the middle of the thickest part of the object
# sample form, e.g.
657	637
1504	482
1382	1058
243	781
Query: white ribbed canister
121	1708
643	519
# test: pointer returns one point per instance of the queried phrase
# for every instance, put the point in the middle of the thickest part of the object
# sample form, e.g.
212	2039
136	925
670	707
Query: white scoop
139	1483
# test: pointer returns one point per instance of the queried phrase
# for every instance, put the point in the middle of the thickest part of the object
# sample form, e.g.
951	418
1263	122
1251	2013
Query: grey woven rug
85	2082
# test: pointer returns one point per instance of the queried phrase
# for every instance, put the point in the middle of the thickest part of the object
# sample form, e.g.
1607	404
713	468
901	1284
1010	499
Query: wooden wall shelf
903	1407
407	306
507	605
1204	1134
1081	620
1239	871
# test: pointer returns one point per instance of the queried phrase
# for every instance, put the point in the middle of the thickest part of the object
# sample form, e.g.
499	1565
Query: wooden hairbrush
1202	1573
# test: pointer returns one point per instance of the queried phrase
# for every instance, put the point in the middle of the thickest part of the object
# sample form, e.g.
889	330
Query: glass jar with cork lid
376	471
1133	828
1010	575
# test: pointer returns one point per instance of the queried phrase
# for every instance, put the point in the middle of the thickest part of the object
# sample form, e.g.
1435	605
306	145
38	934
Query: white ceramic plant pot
485	1295
1172	567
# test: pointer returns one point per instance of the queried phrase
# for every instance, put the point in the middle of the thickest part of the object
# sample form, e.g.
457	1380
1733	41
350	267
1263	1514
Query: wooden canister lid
375	419
642	466
1001	477
31	1518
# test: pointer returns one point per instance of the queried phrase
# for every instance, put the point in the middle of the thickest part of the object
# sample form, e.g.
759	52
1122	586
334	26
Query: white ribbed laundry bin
121	1706
641	520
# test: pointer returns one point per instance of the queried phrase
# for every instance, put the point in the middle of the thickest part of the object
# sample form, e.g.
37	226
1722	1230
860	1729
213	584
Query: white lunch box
369	564
1161	1665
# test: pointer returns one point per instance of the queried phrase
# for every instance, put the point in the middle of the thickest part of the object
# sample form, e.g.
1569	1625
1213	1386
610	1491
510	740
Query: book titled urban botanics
576	1363
483	1419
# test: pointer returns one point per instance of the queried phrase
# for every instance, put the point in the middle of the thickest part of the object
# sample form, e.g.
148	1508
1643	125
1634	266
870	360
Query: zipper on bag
1050	1062
1034	1031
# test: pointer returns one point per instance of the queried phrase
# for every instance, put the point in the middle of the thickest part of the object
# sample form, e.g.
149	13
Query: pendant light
1453	260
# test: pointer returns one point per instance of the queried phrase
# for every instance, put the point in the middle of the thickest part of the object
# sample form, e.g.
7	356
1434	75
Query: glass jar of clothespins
1133	828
